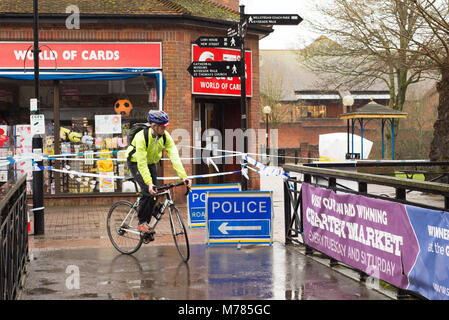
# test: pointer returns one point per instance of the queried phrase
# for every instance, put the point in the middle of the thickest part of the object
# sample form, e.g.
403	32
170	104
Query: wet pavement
75	260
213	273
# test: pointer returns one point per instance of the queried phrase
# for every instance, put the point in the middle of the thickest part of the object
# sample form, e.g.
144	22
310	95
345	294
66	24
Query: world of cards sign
221	86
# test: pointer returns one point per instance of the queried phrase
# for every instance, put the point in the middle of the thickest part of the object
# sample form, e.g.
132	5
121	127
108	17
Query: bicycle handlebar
172	185
163	187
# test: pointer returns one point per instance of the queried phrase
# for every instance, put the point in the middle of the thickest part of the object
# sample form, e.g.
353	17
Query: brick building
74	92
307	106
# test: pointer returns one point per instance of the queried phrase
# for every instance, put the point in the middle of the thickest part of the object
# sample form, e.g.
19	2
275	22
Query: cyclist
143	155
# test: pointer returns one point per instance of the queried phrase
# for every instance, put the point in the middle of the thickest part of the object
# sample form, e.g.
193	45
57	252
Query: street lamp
348	102
266	110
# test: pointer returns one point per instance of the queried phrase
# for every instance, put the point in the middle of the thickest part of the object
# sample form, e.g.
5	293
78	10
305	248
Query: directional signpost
239	217
196	201
233	31
219	42
205	69
236	38
268	19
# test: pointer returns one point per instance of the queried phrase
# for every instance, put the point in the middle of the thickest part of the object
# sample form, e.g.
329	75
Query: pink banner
372	235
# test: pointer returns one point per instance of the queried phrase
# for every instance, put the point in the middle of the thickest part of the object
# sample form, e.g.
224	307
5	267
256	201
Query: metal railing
13	238
337	180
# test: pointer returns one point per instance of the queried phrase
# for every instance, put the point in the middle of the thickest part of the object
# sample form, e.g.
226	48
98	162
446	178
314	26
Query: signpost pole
37	145
243	88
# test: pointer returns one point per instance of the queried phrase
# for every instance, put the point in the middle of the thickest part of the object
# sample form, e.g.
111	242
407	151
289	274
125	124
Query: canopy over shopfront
373	110
107	74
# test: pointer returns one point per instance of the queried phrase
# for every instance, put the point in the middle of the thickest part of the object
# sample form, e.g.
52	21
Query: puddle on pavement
40	291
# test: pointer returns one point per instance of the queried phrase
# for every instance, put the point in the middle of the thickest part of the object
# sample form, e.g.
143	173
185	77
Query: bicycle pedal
148	237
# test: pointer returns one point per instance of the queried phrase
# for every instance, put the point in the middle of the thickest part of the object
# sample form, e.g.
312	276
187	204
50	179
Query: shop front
91	94
95	82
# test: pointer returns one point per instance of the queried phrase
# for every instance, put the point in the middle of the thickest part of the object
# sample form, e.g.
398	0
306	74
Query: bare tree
433	44
369	43
272	91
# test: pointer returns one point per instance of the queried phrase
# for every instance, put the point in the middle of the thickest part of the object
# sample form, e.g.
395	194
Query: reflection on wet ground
156	272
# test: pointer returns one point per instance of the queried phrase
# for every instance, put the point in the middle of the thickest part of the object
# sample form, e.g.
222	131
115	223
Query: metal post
267	129
352	142
287	213
243	88
37	145
267	149
347	129
383	125
392	138
361	134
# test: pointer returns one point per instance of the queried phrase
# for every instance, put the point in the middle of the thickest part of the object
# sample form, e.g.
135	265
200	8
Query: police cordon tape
89	154
266	170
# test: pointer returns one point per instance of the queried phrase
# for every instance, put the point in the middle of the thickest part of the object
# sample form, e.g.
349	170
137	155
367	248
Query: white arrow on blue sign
239	217
224	228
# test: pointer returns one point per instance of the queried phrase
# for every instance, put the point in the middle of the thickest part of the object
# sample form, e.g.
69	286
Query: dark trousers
147	202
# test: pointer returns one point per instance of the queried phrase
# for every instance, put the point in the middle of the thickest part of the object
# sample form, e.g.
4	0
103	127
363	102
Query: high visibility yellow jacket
153	154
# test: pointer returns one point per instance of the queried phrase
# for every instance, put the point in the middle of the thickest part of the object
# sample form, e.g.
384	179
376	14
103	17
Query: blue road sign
239	217
196	201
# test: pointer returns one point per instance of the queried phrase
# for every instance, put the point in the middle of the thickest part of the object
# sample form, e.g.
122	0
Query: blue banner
430	274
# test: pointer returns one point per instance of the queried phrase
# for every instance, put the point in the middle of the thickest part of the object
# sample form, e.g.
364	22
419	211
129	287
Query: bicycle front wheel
122	227
179	232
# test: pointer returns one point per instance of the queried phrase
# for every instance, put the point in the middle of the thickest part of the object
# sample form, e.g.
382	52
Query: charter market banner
404	245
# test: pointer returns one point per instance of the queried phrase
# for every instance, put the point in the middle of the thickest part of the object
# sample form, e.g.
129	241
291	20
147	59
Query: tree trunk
439	148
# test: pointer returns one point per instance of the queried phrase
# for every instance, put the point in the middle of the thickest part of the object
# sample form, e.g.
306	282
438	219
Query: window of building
310	111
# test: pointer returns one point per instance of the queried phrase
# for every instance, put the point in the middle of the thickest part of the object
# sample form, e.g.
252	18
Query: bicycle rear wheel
122	227
179	232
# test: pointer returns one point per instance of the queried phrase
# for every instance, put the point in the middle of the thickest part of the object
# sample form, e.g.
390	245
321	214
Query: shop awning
88	74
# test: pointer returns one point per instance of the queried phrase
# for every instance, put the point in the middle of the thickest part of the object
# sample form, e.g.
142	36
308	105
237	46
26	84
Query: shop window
310	111
103	110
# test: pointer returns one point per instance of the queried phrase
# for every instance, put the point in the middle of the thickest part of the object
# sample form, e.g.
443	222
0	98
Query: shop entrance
212	118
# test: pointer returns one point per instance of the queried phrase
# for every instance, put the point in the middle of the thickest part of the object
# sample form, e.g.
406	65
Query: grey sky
285	37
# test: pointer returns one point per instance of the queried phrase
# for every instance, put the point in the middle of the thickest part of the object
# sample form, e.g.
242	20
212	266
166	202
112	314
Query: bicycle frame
168	202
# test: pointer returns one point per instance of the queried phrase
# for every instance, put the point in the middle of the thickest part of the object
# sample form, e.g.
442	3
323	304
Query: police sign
196	201
239	217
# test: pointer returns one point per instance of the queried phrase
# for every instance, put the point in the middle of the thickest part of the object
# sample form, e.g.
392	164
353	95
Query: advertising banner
405	245
430	274
82	55
372	235
222	86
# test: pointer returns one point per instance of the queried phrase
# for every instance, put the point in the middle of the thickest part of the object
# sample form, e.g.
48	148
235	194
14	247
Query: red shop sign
83	55
221	86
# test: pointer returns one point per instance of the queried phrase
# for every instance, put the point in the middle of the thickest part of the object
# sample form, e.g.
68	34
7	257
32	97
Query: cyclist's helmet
159	117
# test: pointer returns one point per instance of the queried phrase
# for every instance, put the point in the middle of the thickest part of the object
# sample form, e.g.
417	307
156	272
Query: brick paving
85	227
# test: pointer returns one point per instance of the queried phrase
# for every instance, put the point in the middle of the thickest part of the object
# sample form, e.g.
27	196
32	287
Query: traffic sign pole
37	144
242	25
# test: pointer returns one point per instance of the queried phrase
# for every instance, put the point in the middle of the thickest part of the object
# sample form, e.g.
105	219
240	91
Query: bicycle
122	223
